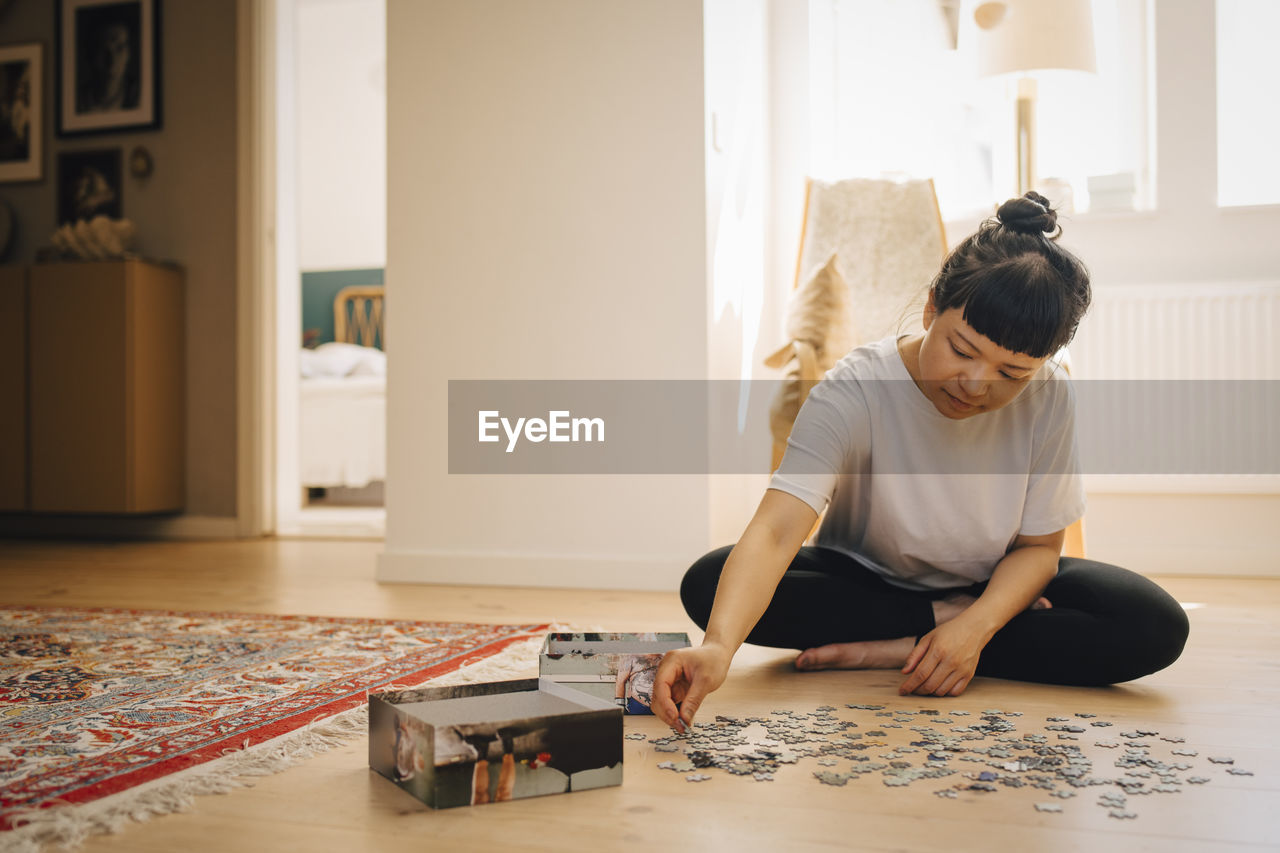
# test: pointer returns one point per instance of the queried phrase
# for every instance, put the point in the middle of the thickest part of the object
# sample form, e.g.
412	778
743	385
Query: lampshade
1027	35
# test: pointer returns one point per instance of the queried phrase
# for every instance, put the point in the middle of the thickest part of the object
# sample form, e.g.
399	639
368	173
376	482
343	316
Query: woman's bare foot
869	654
887	654
878	654
946	609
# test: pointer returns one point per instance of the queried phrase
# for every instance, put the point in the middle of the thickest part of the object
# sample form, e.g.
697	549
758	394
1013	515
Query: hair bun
1030	214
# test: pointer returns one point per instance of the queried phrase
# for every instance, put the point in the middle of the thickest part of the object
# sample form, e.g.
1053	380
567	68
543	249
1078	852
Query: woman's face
964	373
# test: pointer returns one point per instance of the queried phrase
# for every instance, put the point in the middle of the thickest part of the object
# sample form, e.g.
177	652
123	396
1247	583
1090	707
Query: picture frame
90	183
21	112
108	66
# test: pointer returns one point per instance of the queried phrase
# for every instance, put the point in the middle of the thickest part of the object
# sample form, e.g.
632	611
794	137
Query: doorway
330	227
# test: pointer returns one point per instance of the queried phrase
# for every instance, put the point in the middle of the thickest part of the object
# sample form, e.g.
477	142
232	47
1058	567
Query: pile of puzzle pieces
939	745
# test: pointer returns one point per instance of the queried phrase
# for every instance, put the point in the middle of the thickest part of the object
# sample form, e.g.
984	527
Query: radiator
1185	331
1189	332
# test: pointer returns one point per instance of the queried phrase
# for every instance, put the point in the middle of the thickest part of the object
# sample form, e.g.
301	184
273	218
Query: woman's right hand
743	592
684	679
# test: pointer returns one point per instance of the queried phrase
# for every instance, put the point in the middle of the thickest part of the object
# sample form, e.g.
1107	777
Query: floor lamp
1023	36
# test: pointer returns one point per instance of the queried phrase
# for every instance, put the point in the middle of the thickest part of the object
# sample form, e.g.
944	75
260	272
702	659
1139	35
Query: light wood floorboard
1223	696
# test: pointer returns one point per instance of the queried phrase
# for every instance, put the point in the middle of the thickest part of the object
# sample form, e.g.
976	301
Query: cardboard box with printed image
472	744
616	667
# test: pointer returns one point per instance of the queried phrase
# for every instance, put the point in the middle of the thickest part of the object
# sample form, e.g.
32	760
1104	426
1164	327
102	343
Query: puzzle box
470	744
615	667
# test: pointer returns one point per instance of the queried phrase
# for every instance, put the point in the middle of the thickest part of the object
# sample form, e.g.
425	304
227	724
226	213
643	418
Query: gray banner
722	427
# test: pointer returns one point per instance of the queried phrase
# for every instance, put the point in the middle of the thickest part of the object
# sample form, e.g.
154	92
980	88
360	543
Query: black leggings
1106	624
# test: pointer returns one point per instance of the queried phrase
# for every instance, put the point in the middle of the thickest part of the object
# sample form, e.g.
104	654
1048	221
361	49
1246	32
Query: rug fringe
69	825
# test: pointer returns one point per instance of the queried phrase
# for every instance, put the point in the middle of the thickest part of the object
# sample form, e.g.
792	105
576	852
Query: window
893	94
1248	90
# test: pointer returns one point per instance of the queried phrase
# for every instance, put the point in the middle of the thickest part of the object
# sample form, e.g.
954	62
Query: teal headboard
318	291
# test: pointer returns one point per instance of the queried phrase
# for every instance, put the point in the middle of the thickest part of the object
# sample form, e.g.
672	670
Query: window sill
968	224
1248	209
962	226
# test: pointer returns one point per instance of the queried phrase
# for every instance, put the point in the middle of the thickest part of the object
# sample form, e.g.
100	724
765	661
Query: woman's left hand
944	660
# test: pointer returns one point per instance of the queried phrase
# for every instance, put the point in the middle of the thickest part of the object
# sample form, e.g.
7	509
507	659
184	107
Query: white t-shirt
926	501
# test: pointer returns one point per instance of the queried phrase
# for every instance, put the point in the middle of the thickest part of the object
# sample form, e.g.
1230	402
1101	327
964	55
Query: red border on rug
263	734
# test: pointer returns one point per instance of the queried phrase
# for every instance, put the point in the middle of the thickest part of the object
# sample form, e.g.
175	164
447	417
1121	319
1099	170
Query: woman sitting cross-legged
946	462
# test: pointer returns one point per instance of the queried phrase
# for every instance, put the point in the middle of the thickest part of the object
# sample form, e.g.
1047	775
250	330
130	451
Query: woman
946	463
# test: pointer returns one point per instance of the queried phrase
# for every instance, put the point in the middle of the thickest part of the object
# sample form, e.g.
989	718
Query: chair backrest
889	241
357	315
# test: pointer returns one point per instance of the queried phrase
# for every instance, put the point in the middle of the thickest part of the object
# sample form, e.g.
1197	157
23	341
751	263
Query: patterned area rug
97	703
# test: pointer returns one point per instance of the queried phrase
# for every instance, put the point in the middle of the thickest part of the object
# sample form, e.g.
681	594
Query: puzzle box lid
587	644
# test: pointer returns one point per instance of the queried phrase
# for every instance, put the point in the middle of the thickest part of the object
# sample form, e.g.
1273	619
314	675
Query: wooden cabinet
13	388
106	387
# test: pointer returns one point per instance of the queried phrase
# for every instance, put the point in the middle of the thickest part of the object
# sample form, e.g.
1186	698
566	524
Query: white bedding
343	424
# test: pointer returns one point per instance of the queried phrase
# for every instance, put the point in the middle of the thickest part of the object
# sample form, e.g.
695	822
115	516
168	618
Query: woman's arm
1018	580
944	660
755	565
747	583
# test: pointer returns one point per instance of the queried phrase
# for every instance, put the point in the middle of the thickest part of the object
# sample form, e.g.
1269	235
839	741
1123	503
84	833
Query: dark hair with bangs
1014	283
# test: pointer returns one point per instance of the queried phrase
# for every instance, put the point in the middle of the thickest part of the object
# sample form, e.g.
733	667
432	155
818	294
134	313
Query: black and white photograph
21	120
108	68
89	184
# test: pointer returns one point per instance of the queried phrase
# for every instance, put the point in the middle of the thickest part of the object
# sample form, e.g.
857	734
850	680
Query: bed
342	410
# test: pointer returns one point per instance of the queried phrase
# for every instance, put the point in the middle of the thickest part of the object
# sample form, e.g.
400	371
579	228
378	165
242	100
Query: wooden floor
1223	696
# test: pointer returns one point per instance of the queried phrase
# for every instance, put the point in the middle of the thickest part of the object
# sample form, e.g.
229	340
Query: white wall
341	167
546	219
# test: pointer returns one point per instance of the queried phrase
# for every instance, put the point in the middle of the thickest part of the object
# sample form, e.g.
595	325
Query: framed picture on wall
108	66
21	112
89	184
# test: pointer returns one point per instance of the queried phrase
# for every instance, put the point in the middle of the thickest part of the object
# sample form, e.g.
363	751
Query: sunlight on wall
736	188
737	285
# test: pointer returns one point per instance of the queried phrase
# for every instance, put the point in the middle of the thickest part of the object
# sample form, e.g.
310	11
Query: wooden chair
889	241
885	240
357	315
